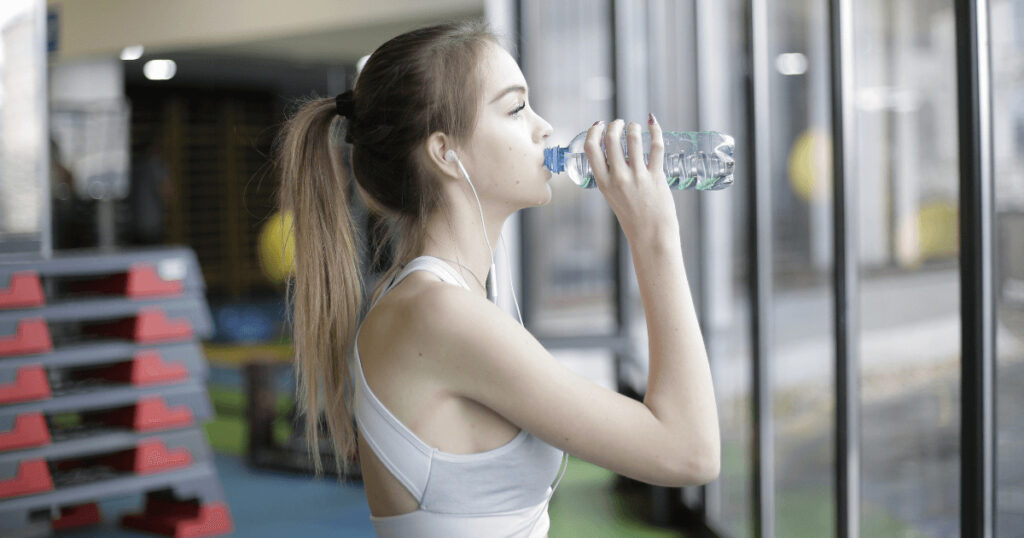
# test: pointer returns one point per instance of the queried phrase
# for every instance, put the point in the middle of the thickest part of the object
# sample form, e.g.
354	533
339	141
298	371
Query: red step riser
141	280
33	477
211	519
29	431
148	326
150	369
24	291
32	336
151	414
73	517
146	368
150	457
30	384
153	326
144	281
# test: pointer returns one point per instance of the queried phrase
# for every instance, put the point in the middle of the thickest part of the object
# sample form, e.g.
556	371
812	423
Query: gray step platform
94	418
102	353
171	263
198	481
192	438
192	394
98	309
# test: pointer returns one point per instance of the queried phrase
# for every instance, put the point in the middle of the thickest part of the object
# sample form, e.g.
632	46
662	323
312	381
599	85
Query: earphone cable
511	284
491	290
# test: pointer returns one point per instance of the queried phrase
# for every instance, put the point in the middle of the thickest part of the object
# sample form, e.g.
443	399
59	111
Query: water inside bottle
578	168
698	160
700	171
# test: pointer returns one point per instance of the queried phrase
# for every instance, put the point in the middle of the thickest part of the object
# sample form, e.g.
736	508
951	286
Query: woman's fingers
609	164
613	150
592	148
655	161
634	144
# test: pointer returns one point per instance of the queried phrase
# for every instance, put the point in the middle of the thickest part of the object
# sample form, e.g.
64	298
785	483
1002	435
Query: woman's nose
545	128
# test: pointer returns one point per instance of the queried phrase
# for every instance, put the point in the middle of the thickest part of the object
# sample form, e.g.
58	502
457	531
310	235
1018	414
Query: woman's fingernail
595	123
651	120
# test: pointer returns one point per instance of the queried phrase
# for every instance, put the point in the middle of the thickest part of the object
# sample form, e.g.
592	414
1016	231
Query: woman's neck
457	236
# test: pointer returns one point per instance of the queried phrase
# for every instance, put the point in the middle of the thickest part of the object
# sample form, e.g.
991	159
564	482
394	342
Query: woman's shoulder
410	338
418	306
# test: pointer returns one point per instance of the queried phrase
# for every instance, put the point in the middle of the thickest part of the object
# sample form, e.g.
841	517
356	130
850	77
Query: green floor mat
586	504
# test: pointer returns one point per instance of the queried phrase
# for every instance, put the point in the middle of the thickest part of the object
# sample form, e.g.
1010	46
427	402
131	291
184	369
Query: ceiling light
160	69
791	63
132	52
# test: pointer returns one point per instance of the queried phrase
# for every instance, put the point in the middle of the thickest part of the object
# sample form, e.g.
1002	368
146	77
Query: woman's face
505	154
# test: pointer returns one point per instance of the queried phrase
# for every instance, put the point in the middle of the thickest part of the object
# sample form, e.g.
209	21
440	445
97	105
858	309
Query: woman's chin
540	196
546	197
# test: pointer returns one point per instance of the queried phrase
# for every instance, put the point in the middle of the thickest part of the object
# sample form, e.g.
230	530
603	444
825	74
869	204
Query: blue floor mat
265	504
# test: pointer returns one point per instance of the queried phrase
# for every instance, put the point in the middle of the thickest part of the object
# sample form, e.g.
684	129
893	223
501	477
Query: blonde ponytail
326	296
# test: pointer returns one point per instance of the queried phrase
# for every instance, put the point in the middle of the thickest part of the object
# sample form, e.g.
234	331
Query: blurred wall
99	27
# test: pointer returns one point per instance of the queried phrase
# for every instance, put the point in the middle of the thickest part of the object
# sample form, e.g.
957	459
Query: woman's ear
436	146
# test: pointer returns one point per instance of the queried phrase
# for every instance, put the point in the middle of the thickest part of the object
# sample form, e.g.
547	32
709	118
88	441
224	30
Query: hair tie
345	104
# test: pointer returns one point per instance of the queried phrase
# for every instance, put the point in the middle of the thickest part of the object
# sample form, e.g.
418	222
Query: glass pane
802	357
24	151
908	188
722	262
571	283
1007	18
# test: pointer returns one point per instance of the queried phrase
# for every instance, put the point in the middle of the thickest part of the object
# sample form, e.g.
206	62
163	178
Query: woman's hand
636	191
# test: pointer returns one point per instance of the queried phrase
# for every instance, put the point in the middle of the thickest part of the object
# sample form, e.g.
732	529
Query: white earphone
492	285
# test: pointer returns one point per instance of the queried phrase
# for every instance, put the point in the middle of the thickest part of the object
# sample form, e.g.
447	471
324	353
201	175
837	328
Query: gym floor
273	504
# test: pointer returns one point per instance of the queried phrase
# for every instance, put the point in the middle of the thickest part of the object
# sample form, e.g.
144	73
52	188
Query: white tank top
500	492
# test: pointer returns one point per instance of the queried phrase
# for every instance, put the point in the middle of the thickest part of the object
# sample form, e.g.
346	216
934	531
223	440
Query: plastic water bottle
693	160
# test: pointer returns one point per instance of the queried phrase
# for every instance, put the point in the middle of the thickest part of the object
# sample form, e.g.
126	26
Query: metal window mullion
845	281
629	87
760	267
977	314
621	259
525	221
703	89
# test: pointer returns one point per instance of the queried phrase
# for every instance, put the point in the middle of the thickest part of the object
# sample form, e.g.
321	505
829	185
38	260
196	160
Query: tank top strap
431	264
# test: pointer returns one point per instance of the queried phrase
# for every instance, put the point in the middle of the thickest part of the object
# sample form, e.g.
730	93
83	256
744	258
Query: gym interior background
860	286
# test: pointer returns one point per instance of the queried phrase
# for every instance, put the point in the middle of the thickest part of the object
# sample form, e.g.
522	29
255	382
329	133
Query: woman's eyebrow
515	88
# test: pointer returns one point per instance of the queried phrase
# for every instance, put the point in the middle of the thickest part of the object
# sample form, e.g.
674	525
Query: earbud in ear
450	156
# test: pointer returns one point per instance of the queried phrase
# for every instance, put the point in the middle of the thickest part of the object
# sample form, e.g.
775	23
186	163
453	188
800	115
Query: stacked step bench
102	392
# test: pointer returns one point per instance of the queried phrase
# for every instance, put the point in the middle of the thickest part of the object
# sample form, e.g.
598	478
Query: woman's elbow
711	469
697	470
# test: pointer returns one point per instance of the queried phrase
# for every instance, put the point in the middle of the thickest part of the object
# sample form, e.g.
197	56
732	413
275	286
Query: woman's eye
518	109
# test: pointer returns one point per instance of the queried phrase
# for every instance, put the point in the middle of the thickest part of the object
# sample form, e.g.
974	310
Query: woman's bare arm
679	386
476	350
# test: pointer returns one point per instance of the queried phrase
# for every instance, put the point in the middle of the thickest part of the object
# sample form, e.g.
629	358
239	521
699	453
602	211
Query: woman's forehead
500	71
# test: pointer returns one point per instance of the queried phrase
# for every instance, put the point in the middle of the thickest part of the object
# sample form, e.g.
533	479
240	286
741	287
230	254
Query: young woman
463	417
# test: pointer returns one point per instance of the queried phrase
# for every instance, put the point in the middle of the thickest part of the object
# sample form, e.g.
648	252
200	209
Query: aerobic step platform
88	365
187	501
92	460
138	273
102	393
32	424
142	321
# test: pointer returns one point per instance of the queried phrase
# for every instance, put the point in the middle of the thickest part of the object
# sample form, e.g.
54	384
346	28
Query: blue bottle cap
554	159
